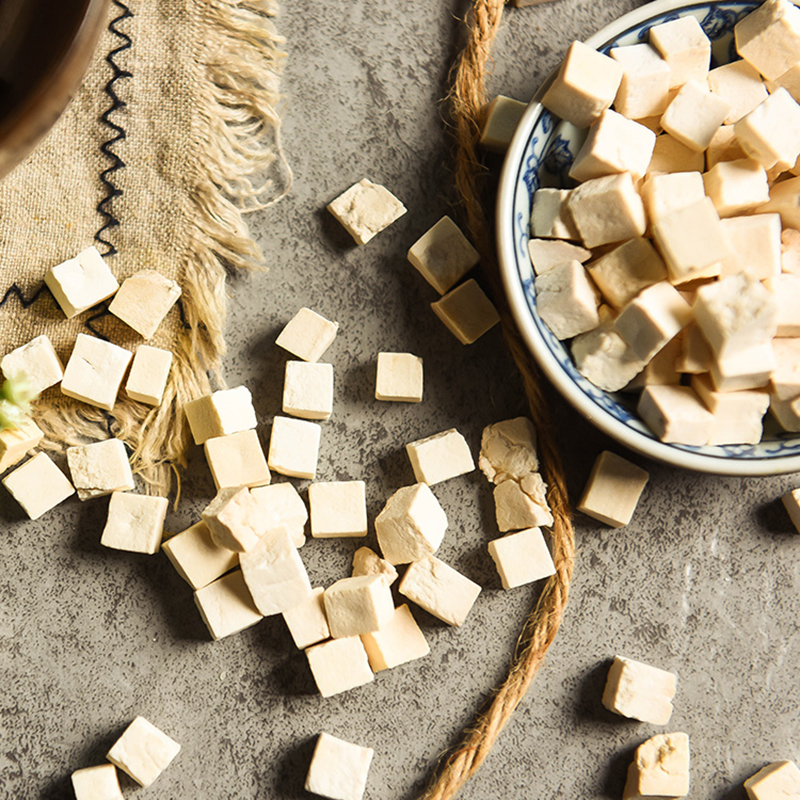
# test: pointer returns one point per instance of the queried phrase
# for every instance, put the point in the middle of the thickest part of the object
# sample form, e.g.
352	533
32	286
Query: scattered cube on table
100	468
743	369
466	312
143	301
777	781
639	691
670	155
685	47
508	450
234	520
769	37
338	508
339	665
308	390
624	271
338	769
143	751
398	641
646	78
366	209
307	621
546	254
218	414
36	364
550	215
294	447
95	371
440	457
16	443
613	490
740	85
443	255
148	376
81	282
791	502
755	243
367	562
38	485
502	117
198	559
280	506
226	606
664	193
694	115
675	414
660	768
770	133
411	524
399	378
237	460
515	508
566	300
135	522
737	187
307	335
96	783
522	558
358	605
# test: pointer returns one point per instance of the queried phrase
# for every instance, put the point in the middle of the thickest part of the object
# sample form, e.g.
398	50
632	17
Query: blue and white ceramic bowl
541	154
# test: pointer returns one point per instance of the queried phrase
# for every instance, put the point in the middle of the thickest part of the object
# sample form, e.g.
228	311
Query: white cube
670	155
786	291
770	133
521	558
280	506
307	621
502	117
218	414
358	605
660	369
645	85
307	335
294	447
226	606
790	250
789	80
613	490
16	443
724	146
440	457
339	665
144	300
675	414
769	37
755	244
662	194
622	273
443	255
338	769
744	369
99	469
550	215
197	558
685	47
338	508
639	691
694	115
736	187
96	783
791	502
237	460
399	378
143	751
777	781
81	282
566	300
234	519
660	768
397	642
148	376
738	84
95	371
38	485
368	562
784	199
547	254
135	522
36	364
735	405
308	390
696	354
785	381
365	209
466	312
515	508
786	413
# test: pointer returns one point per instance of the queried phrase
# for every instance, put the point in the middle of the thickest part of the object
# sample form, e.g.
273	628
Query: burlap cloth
173	134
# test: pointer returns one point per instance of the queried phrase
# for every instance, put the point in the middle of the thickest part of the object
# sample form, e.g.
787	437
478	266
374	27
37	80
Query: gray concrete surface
704	580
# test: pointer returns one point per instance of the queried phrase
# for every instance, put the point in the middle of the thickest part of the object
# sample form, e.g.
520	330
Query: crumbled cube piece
226	606
338	769
769	37
684	45
784	199
664	193
785	381
622	273
585	86
95	371
660	769
770	133
148	376
521	558
521	504
368	562
307	335
694	115
143	751
38	485
366	209
16	443
358	605
440	457
81	282
639	691
443	255
786	291
608	210
135	522
744	369
100	468
280	506
144	300
439	589
339	665
670	155
550	215
660	370
36	364
696	354
790	251
237	460
308	390
399	378
338	508
549	253
294	447
790	80
221	413
508	450
613	490
96	783
740	85
274	573
755	244
398	641
614	144
466	312
234	519
675	414
777	781
502	117
566	300
786	413
411	524
307	621
646	78
724	147
197	558
737	187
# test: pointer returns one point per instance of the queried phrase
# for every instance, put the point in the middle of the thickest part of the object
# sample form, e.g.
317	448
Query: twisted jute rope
468	101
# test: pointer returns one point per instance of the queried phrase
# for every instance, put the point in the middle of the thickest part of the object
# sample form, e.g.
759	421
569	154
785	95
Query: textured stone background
704	581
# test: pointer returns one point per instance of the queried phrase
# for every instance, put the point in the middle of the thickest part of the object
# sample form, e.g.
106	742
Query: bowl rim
512	166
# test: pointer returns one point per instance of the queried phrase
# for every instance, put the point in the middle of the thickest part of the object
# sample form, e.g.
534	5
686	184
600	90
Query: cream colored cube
769	37
508	450
411	524
197	558
399	378
308	390
737	187
694	115
307	621
622	273
502	117
791	502
730	430
366	209
368	562
785	381
234	519
398	641
613	490
36	364
737	405
738	84
338	769
670	155
614	144
440	590
744	369
786	413
443	255
135	522
566	300
790	251
755	245
440	457
237	460
521	558
226	606
790	80
660	768
550	215
786	291
81	282
221	413
38	485
338	508
148	376
770	133
608	210
339	665
307	335
777	781
661	369
546	254
724	147
143	751
585	86
784	199
521	504
662	194
358	605
96	783
684	45
100	468
95	371
696	354
675	414
466	312
274	573
280	506
16	443
639	691
294	447
144	300
646	78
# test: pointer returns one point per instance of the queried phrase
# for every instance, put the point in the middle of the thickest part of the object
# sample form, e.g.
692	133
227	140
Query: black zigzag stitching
15	291
118	133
